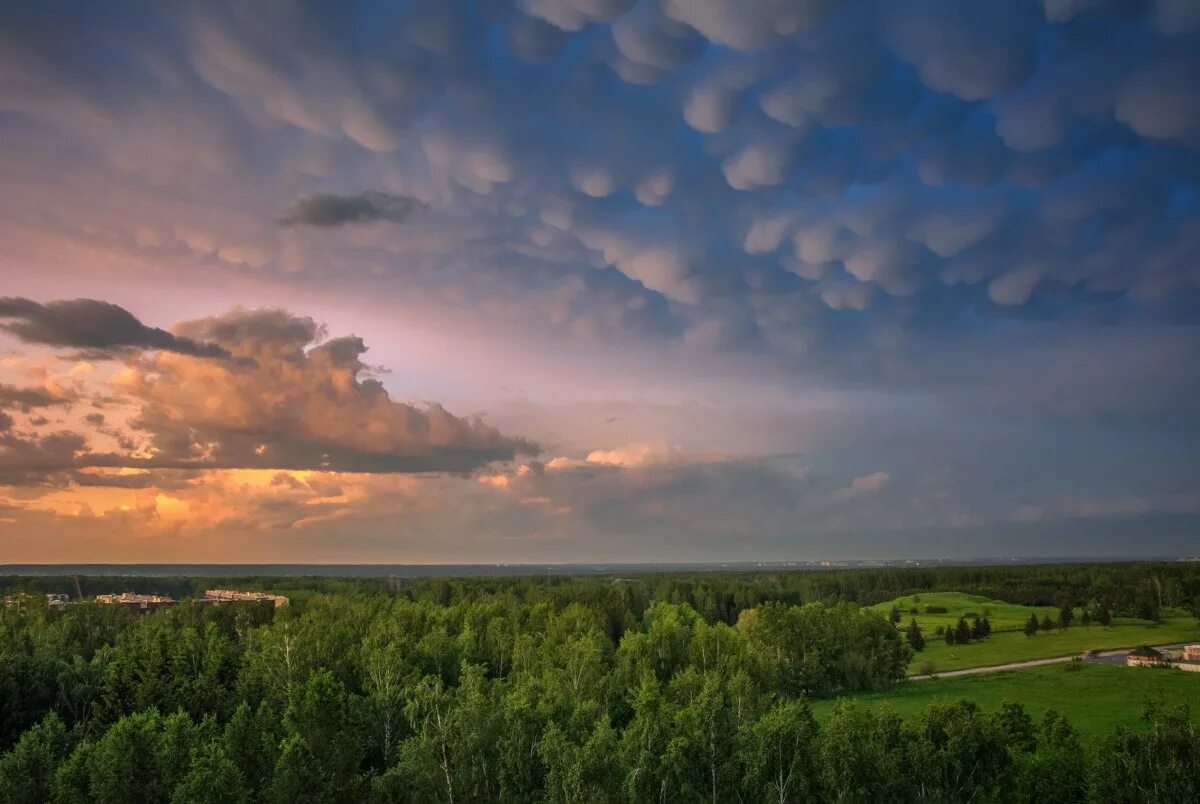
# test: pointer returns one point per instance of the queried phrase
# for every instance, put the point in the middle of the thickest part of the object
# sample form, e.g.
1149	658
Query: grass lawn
1095	698
958	604
1016	647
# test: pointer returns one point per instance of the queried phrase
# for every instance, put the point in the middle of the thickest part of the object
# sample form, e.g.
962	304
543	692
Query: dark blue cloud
847	186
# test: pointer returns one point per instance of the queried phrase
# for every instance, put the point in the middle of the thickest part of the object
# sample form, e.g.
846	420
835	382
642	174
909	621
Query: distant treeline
1135	589
474	691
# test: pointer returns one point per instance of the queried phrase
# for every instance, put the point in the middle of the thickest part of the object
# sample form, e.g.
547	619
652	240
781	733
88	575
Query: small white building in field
1145	657
1188	659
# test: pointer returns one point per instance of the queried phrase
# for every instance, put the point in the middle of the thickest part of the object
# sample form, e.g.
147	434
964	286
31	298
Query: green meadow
957	604
1014	646
1008	642
1094	697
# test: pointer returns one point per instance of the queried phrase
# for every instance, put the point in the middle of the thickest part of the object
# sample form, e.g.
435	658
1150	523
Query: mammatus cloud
571	15
970	211
748	25
90	324
328	209
913	158
965	49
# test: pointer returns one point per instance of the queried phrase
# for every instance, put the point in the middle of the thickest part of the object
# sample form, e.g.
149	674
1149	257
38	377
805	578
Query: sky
598	280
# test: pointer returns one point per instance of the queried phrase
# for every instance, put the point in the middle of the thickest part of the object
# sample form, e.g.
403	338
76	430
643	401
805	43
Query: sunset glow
559	281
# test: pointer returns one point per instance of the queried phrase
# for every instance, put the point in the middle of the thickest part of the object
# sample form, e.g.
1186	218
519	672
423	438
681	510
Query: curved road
1104	656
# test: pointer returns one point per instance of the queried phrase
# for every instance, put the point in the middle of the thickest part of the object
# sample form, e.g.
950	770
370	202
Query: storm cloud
24	399
328	209
289	399
962	236
91	324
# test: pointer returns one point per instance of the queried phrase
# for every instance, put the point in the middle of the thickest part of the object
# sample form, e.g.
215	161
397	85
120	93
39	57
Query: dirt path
1115	656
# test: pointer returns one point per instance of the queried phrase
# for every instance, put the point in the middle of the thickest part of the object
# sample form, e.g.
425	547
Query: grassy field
1095	698
957	604
1016	647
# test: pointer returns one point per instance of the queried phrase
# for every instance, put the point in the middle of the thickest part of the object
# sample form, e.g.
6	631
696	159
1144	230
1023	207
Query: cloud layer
904	239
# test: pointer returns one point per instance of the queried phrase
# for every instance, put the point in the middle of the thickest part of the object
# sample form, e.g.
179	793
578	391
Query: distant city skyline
545	282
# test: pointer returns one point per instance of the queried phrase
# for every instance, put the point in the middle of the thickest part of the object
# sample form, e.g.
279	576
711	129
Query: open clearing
1094	697
1008	642
957	604
1014	646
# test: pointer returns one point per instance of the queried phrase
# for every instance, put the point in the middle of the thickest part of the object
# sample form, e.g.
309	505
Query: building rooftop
133	597
223	595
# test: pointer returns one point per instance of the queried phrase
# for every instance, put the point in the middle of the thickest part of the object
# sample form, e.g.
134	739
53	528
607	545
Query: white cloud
748	24
711	108
1161	101
1013	288
656	188
949	231
767	233
962	48
572	15
658	266
861	487
652	42
363	125
760	165
847	297
633	455
868	484
595	182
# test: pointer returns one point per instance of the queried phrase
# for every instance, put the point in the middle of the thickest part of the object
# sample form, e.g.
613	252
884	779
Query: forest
651	688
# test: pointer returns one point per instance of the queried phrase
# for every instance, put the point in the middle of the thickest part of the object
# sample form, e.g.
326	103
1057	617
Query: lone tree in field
949	635
1103	615
986	626
1085	619
1065	615
895	615
1047	623
916	640
1031	625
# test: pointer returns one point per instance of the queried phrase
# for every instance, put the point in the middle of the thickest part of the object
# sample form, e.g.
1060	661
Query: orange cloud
285	398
